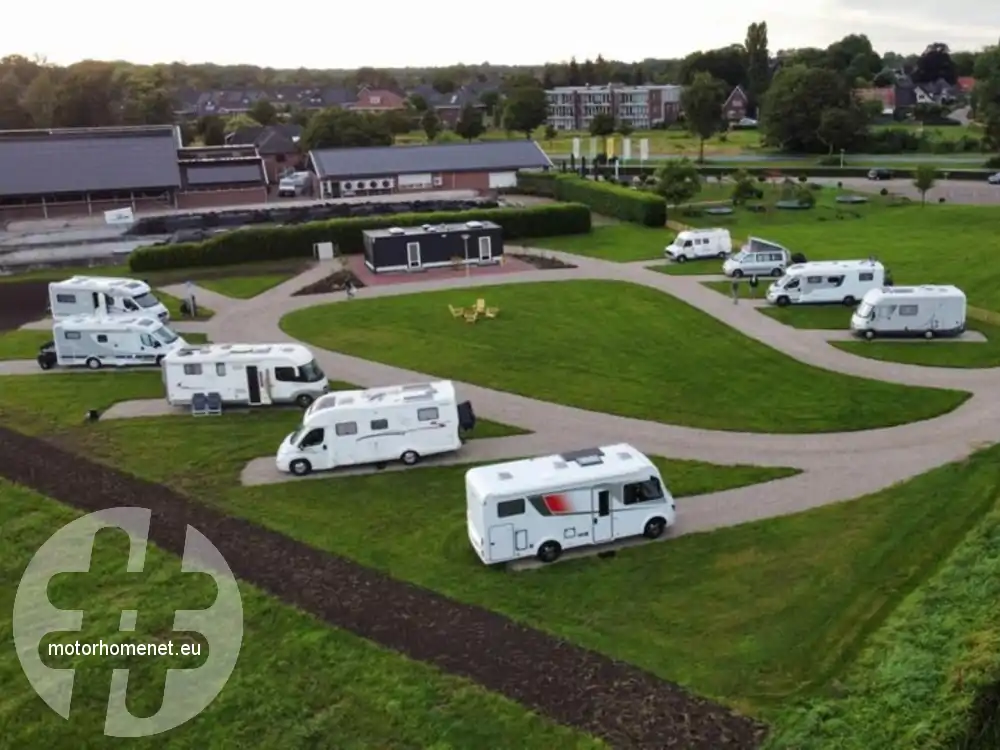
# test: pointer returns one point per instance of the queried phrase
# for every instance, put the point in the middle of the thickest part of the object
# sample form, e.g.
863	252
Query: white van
901	311
758	258
539	507
104	295
294	184
694	244
822	282
397	423
95	341
248	374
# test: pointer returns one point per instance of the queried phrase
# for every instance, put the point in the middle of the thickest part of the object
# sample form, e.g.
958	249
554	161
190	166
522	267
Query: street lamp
841	158
465	240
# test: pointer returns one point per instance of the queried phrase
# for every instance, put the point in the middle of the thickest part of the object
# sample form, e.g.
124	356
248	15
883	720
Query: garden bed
544	262
335	282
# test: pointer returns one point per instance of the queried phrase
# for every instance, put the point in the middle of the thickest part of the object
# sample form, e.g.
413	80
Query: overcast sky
350	34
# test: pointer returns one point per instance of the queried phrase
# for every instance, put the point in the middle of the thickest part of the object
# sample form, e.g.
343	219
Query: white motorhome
96	341
903	311
294	184
89	295
250	374
542	506
693	244
758	258
397	423
822	282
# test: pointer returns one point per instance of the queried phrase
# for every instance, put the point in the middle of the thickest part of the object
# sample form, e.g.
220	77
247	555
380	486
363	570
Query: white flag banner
576	148
627	148
644	149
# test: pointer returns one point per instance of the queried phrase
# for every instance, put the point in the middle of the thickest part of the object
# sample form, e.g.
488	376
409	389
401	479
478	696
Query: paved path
836	466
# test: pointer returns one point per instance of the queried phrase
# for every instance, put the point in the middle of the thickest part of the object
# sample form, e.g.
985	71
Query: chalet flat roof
484	156
223	172
426	229
44	162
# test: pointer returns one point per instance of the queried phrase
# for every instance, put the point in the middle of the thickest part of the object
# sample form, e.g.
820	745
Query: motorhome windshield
311	372
146	300
865	310
166	335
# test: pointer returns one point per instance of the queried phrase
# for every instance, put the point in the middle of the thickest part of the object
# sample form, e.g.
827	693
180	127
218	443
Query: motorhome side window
313	437
509	508
285	374
72	335
192	369
220	370
427	414
814	280
69	299
380	424
835	280
866	277
147	340
347	428
102	339
642	492
908	310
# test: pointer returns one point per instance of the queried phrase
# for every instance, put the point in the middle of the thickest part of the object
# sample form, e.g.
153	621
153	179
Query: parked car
879	173
994	179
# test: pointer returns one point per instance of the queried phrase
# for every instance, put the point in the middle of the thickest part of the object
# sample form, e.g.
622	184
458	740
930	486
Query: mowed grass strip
244	287
968	354
622	243
24	344
297	682
756	615
618	348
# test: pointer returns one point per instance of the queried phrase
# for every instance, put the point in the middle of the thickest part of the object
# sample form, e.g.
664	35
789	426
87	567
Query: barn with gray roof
481	166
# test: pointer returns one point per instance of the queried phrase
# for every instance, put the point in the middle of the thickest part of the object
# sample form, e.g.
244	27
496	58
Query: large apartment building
573	107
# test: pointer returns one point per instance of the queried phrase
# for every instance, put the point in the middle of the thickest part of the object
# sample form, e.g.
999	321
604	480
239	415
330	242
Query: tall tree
853	57
678	181
702	105
986	96
526	108
965	63
728	64
264	112
39	100
574	77
12	114
212	130
924	177
89	95
838	128
470	123
758	64
588	72
431	124
792	110
935	63
338	128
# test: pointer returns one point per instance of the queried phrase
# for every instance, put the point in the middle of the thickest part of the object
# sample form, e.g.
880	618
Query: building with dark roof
277	144
482	166
217	176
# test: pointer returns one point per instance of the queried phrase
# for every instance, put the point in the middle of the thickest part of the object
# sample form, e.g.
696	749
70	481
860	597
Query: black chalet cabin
433	246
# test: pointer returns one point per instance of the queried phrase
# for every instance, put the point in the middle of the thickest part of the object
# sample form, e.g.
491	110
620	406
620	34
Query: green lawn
164	278
702	267
756	615
297	684
173	305
909	238
244	287
814	317
563	342
933	353
622	243
24	344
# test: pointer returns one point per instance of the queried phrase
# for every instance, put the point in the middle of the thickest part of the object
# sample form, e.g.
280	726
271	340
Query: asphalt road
953	191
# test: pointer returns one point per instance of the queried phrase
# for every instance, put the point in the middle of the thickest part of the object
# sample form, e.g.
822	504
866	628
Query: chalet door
485	249
413	255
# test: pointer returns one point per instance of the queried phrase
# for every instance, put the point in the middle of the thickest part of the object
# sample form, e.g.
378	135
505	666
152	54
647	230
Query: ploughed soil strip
22	302
619	703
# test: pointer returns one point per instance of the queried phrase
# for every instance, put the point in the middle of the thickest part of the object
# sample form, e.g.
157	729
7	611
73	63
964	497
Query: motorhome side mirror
156	344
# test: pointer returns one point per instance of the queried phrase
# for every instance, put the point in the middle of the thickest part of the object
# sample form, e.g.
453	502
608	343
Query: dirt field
22	302
626	707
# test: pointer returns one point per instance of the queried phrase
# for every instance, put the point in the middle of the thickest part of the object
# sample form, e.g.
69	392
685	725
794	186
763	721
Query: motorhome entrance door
601	509
502	542
253	384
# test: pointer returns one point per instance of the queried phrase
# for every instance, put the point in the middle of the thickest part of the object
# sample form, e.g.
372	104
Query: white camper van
694	244
294	184
758	258
89	295
542	506
902	311
251	374
398	423
95	341
822	282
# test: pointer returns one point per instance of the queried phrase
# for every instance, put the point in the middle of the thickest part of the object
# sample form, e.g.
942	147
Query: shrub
278	243
993	162
829	161
883	191
941	200
803	178
762	178
537	183
613	200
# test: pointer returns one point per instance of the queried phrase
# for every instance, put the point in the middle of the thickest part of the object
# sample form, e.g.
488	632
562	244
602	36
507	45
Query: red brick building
484	166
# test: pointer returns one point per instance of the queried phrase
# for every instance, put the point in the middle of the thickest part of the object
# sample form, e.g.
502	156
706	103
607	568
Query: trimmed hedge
278	243
537	183
608	199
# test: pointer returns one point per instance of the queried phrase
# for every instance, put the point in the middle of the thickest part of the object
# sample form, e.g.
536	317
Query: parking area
953	191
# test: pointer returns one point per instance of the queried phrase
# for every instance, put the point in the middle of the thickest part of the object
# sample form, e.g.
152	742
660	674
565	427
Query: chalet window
72	335
192	369
346	428
908	310
380	424
220	370
68	299
427	414
509	508
102	339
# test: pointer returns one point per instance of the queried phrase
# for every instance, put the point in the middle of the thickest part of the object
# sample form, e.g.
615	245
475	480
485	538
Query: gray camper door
413	255
253	384
502	542
485	249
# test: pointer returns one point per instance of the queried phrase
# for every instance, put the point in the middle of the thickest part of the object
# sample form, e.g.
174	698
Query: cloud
910	25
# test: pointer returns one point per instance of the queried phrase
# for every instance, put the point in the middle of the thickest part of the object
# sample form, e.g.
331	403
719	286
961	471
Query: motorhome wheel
44	364
93	363
721	256
549	552
737	274
654	528
681	258
300	467
928	334
304	400
410	457
849	301
783	301
777	272
159	360
869	335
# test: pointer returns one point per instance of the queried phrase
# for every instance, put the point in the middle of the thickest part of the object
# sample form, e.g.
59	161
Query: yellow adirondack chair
471	316
492	312
456	312
481	306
